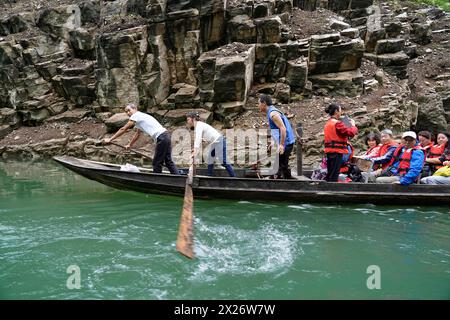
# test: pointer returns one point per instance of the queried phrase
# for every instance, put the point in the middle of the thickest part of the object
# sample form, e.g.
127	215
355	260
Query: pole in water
185	238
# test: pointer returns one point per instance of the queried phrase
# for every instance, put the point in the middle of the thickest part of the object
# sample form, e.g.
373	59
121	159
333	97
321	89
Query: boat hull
251	189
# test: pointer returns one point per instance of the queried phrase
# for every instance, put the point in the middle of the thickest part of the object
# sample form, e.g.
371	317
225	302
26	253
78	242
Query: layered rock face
334	63
172	56
91	54
37	79
225	78
356	11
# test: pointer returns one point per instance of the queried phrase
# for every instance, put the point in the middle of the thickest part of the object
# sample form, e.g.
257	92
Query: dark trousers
221	144
163	154
334	161
283	169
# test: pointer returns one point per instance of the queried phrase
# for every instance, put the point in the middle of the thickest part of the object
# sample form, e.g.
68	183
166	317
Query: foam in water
226	249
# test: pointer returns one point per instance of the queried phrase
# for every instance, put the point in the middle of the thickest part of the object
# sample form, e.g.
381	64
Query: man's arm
134	139
197	140
275	116
386	157
121	131
433	160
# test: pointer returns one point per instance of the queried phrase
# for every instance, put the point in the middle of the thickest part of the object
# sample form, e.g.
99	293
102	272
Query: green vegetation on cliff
444	4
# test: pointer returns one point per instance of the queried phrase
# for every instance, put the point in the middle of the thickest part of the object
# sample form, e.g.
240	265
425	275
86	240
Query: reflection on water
124	244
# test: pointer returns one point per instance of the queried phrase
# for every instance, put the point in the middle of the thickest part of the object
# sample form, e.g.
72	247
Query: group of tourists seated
416	159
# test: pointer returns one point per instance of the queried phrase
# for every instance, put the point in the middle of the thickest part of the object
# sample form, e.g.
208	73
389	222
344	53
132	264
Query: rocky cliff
64	63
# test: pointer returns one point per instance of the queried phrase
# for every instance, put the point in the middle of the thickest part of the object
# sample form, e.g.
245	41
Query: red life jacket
427	148
405	160
384	149
333	142
435	152
375	150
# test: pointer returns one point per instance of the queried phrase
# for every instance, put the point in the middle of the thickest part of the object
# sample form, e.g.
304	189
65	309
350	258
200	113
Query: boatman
282	134
217	143
148	124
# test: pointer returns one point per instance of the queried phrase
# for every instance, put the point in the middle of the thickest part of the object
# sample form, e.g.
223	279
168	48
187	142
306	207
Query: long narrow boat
242	188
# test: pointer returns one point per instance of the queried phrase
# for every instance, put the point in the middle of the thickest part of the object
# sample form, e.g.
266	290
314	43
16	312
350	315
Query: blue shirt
346	156
290	137
415	167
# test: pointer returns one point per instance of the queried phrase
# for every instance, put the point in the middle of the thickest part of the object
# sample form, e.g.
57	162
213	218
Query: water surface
124	244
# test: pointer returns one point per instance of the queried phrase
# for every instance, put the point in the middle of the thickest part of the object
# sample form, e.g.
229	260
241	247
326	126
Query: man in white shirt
217	144
148	124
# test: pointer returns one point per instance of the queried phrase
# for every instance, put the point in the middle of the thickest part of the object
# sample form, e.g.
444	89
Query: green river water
124	245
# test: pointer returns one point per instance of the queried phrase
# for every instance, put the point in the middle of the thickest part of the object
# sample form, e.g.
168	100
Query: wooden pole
185	238
299	130
132	150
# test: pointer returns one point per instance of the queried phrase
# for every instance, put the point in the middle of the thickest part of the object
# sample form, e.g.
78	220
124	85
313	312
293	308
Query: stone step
186	94
392	59
178	116
389	46
9	116
82	68
46	69
347	83
55	57
445	76
70	116
5	130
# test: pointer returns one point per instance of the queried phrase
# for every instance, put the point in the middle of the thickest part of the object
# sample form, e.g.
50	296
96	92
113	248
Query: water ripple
226	249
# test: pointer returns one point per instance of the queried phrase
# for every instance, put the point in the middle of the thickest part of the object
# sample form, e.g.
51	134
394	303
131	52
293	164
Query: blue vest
290	137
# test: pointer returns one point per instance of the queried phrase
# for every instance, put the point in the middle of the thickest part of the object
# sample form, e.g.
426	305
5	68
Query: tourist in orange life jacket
384	157
406	164
336	131
425	142
388	146
432	161
373	142
444	159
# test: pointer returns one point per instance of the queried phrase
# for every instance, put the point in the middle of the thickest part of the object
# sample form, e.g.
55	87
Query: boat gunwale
427	187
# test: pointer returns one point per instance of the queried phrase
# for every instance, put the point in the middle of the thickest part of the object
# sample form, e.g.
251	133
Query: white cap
411	134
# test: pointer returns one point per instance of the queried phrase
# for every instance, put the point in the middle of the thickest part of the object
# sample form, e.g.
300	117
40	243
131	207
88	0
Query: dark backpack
354	173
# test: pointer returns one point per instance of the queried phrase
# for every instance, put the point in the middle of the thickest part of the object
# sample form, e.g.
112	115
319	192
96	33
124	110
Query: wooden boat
243	188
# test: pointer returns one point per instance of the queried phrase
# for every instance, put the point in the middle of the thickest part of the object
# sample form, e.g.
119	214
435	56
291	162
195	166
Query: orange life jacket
384	149
435	152
427	148
374	149
333	142
405	159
